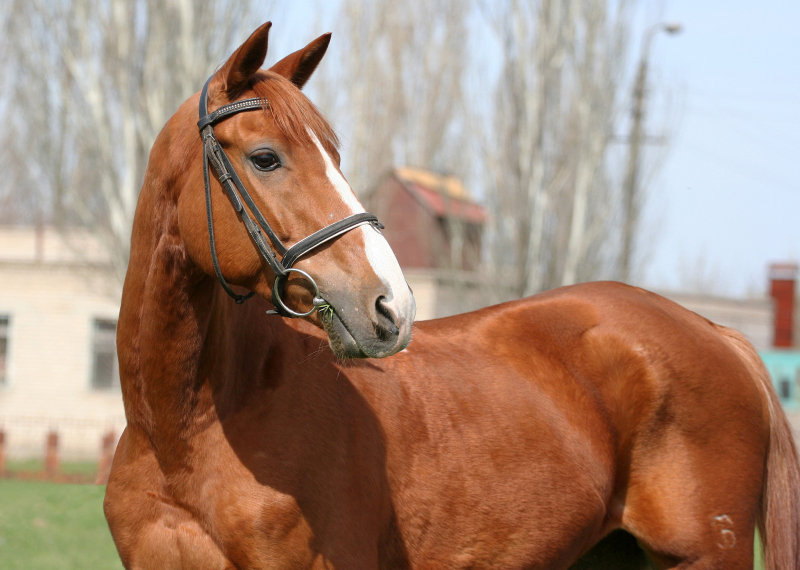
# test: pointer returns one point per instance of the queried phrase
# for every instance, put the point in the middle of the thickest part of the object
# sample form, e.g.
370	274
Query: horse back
640	356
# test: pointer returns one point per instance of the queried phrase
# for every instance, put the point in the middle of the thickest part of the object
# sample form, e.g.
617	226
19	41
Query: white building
59	302
752	317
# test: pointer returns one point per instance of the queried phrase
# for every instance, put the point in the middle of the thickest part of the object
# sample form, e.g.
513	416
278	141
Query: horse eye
266	161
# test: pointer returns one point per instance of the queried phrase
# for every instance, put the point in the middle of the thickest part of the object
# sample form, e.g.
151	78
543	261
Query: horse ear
245	61
298	66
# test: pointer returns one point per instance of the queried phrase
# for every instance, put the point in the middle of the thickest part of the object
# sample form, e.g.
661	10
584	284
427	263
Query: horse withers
597	425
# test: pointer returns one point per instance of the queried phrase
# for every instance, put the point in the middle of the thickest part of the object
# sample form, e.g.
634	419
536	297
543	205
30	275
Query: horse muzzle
381	330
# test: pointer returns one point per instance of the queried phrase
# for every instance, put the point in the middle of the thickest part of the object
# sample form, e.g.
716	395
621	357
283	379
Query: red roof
446	206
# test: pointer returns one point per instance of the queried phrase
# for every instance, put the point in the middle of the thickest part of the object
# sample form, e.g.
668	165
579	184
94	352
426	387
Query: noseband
237	193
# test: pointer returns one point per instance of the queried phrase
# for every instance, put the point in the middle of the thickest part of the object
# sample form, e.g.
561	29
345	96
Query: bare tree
397	96
596	105
525	121
96	81
549	181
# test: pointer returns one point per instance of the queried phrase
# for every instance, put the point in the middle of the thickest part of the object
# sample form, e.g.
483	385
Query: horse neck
172	330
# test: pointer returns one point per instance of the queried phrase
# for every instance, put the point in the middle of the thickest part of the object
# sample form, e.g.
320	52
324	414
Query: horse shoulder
150	529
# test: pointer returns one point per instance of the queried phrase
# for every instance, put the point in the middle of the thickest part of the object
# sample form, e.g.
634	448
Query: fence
44	446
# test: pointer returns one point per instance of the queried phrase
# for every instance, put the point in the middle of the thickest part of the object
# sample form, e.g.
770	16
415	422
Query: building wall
419	238
405	229
751	317
784	367
51	302
444	293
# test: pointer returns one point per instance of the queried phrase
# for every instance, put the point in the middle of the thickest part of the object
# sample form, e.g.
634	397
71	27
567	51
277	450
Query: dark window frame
105	366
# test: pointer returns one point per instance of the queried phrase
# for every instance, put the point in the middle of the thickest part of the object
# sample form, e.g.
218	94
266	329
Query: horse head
289	190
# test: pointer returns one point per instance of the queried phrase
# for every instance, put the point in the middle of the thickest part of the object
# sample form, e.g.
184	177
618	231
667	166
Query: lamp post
635	140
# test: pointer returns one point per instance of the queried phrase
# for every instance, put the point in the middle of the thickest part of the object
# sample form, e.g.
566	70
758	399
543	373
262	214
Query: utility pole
631	188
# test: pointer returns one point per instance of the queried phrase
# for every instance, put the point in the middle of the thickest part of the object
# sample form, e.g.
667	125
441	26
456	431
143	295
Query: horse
279	414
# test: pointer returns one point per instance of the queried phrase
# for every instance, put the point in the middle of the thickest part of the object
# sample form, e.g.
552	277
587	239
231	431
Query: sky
724	195
725	202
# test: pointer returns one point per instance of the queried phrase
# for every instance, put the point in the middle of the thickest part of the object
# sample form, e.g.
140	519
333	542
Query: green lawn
83	471
758	558
54	526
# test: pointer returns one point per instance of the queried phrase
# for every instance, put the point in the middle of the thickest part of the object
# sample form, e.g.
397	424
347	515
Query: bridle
237	193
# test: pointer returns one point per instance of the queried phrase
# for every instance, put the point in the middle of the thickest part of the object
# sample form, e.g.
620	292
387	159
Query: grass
325	312
81	469
54	526
758	558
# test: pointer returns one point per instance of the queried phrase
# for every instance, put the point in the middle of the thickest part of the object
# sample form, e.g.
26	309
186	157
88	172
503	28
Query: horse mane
293	112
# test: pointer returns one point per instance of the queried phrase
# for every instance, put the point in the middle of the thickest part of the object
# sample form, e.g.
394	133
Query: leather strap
229	109
232	185
239	299
225	111
236	192
327	234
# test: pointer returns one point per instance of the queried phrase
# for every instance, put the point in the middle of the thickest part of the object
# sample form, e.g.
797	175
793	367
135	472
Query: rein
236	192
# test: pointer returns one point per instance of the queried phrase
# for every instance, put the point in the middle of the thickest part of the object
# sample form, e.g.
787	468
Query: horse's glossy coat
518	436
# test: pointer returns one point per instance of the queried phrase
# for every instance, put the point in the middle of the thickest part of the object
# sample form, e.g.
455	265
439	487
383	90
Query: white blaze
377	249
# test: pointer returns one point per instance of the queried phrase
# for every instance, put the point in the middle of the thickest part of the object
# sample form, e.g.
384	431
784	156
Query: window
3	349
105	369
785	389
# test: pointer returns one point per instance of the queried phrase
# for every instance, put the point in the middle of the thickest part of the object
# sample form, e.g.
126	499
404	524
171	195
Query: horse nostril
386	320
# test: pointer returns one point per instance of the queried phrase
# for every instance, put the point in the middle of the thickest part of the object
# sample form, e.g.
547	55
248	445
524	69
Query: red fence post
51	455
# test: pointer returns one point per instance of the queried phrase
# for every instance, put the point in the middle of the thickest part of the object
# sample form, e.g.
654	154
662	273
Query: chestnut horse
597	425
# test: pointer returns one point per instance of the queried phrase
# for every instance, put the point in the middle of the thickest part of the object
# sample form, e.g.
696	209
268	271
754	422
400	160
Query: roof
444	196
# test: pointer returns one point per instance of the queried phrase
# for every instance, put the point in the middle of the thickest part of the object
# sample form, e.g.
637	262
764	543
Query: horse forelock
294	114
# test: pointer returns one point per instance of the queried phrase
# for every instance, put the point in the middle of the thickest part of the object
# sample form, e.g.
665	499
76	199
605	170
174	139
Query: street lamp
635	140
